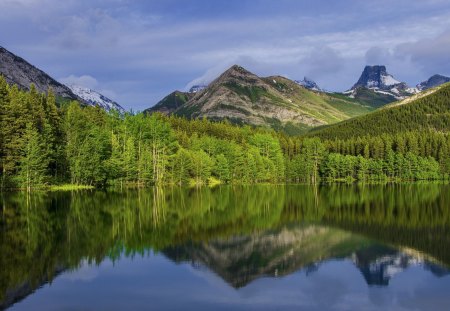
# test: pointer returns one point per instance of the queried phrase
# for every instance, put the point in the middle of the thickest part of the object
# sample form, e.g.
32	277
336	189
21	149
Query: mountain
244	98
376	87
433	81
171	102
309	84
430	110
18	71
94	98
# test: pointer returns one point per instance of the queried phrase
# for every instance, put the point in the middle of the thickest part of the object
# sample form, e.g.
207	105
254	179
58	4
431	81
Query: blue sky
136	52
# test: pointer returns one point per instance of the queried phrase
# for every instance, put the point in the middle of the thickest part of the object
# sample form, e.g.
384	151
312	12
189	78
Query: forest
43	143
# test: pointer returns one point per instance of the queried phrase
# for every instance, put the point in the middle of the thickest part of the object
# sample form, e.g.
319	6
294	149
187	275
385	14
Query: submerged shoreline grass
69	187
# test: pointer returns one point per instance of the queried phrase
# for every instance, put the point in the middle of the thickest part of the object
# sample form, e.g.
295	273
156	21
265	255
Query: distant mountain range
295	106
242	97
18	71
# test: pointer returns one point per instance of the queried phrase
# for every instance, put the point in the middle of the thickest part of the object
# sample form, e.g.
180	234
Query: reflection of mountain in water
379	265
240	260
241	233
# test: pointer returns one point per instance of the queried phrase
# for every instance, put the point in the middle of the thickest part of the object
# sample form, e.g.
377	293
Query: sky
137	52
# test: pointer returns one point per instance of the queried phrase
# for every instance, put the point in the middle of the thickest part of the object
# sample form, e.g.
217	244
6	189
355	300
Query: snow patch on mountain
94	98
377	79
389	80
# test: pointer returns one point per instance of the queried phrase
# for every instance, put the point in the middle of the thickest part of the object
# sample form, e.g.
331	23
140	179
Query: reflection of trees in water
42	232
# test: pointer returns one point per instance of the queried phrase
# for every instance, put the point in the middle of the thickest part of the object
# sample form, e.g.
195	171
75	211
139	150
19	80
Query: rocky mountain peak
433	81
376	77
309	84
235	73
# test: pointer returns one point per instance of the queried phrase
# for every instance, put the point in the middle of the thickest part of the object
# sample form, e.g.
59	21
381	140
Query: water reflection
240	233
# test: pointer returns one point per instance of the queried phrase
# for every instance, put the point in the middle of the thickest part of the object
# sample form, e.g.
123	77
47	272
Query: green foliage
254	93
45	145
429	112
372	98
44	233
34	160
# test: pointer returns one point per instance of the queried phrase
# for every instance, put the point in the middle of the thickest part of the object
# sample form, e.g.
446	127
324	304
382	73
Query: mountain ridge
243	97
18	71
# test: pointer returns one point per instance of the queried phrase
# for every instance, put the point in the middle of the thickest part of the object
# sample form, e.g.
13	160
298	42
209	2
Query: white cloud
84	80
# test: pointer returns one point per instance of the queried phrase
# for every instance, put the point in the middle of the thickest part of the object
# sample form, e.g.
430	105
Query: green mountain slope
171	102
427	112
244	98
371	98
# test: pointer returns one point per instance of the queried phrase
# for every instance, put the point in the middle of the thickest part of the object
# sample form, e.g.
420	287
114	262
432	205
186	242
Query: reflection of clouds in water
381	297
326	291
86	272
210	277
424	293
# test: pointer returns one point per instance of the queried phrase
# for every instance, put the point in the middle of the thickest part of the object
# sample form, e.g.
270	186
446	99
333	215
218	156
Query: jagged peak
433	81
309	84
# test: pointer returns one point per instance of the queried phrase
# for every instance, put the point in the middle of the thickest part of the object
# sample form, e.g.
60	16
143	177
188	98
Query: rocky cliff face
376	87
433	81
376	77
18	71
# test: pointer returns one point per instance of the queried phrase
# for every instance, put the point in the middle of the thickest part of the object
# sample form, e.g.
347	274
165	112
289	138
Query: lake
359	247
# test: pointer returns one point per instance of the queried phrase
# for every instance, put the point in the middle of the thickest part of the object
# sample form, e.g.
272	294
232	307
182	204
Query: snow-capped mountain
377	79
94	98
433	81
309	84
197	88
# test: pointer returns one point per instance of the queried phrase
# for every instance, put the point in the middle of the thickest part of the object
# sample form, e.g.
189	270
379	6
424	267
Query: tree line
429	112
43	143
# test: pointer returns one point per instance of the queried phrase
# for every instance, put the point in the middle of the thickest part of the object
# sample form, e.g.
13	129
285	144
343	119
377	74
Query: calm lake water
259	247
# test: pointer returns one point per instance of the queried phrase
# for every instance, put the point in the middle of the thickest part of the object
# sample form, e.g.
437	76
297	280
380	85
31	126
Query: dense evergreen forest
428	112
42	144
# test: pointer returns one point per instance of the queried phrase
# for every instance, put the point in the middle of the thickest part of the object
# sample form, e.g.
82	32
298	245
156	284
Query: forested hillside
428	112
42	145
